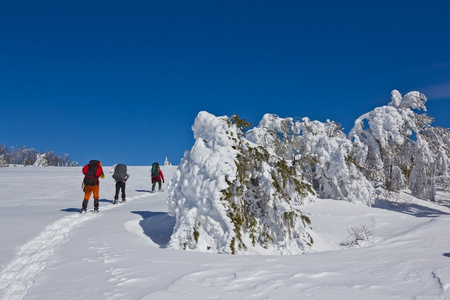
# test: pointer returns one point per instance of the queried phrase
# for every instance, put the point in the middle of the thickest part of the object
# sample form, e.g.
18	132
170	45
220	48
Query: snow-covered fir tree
41	161
232	196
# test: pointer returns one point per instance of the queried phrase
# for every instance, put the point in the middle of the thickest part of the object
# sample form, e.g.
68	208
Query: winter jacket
98	172
160	176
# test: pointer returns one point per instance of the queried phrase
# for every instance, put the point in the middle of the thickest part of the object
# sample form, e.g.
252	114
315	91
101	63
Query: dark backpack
90	178
120	172
155	169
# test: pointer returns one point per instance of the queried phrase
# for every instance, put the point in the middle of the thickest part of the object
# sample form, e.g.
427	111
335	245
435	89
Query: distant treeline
28	156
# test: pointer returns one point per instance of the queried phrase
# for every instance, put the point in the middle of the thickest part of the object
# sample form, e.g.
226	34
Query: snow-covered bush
359	236
41	161
232	196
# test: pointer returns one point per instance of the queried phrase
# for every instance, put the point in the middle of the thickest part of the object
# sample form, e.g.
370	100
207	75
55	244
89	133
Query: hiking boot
95	210
84	205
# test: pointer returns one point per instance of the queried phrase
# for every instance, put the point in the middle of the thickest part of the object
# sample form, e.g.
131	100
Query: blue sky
122	81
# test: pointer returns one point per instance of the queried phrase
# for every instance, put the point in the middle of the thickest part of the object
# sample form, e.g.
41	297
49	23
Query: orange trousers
88	189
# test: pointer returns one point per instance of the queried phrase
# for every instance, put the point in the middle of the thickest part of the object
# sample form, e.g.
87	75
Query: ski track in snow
32	258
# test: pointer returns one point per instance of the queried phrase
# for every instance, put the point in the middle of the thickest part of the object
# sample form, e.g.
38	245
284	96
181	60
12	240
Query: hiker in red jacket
157	176
92	171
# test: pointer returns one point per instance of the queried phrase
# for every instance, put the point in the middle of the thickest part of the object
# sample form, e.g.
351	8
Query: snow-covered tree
65	161
30	156
238	191
41	161
335	172
431	162
27	156
232	196
166	162
386	136
401	148
319	151
3	161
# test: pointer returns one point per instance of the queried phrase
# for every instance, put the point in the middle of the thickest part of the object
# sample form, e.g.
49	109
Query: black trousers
120	185
154	181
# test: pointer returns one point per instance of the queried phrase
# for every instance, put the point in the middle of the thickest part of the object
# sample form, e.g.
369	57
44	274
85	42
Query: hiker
120	176
92	171
157	176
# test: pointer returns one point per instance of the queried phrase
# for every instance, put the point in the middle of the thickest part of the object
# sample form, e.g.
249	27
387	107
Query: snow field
121	253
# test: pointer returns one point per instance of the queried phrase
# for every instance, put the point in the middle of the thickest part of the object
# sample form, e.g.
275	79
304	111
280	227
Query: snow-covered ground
49	251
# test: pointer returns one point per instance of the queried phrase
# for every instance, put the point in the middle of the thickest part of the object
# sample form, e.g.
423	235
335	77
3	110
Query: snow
49	251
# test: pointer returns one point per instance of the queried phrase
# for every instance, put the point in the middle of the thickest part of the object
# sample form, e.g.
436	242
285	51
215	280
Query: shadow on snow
412	209
158	226
71	209
104	200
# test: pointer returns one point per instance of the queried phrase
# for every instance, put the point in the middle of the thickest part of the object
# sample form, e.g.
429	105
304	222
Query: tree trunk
433	179
389	181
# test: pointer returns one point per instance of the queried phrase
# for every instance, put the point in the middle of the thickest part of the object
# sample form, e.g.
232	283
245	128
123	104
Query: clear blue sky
122	81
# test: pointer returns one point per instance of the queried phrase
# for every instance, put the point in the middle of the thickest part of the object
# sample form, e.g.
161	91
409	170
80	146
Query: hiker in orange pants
92	172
